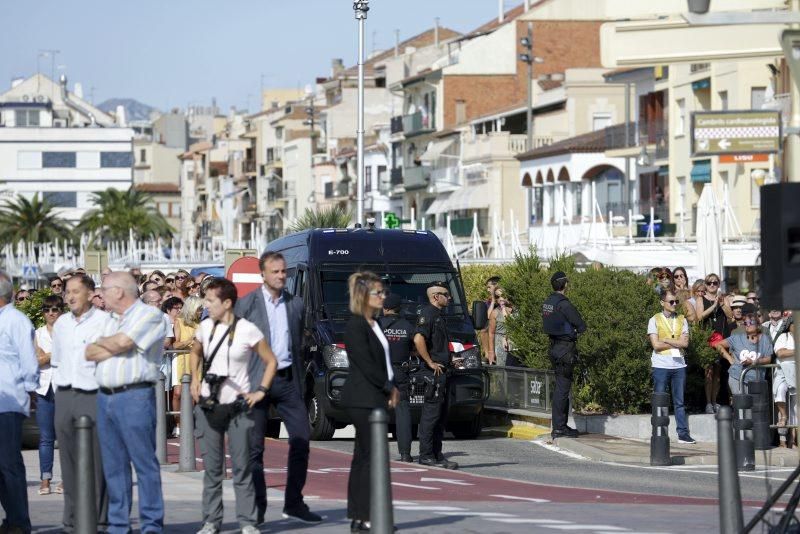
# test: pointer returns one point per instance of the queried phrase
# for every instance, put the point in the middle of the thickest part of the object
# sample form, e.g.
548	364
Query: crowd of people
744	335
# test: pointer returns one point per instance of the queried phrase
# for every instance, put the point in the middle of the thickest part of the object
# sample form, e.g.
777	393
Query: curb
524	432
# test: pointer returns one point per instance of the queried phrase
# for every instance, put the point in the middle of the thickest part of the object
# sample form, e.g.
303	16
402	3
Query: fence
520	387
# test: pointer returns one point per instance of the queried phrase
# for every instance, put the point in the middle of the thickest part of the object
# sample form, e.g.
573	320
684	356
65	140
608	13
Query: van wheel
467	429
322	427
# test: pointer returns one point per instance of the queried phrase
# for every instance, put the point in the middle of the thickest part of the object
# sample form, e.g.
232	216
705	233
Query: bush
614	370
33	306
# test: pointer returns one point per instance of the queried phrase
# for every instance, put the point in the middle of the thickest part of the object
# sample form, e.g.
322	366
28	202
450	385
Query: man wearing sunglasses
743	349
563	324
433	345
669	336
57	286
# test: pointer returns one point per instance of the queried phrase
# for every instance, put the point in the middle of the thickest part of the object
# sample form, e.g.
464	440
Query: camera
214	384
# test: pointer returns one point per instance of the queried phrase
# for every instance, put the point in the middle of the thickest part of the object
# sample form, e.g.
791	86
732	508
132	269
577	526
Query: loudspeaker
780	246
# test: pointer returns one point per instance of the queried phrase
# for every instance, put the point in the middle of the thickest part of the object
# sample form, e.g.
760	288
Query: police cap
392	302
557	276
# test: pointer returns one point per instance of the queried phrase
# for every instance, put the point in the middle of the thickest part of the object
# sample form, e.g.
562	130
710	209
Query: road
503	485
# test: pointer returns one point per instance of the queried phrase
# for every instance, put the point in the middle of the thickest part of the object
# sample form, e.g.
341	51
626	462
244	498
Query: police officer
433	344
562	322
400	335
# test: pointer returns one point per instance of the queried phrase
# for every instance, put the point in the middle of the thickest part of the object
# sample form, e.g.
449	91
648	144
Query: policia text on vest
562	322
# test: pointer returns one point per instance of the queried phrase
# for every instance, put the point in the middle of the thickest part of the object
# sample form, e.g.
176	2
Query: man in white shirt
76	389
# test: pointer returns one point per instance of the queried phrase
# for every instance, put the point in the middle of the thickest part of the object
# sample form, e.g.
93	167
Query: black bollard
161	421
743	432
85	503
731	519
380	509
659	440
187	457
762	433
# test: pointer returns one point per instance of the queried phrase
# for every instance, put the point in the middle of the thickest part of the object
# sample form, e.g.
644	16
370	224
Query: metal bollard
659	440
743	432
85	503
731	519
762	433
187	459
161	421
380	510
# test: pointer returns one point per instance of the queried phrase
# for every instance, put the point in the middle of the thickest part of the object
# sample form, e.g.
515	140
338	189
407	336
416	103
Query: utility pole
311	121
361	8
528	58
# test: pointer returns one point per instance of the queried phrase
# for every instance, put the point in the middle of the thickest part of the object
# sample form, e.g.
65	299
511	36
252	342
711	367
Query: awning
469	197
439	204
435	149
701	171
705	83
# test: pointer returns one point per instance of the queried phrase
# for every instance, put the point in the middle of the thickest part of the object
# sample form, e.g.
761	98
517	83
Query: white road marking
604	528
748	474
414	486
515	498
559	450
524	520
476	514
447	481
431	508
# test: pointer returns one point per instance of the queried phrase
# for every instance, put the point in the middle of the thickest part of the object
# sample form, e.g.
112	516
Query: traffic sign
735	132
245	275
30	272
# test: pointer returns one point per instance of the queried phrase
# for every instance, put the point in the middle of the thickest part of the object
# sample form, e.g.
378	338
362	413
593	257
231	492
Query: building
55	144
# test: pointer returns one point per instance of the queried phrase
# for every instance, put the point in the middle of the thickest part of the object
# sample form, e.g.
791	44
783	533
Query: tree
33	221
334	217
118	212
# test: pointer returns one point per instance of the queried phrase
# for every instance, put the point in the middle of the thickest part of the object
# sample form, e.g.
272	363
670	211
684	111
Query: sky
174	53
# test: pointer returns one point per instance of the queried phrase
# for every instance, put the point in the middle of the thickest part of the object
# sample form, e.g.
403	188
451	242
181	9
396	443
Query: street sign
245	275
30	272
735	132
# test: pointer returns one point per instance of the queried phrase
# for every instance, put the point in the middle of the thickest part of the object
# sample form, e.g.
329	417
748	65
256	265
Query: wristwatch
263	390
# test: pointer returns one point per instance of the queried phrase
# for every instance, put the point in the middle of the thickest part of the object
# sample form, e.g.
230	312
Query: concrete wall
342	118
297	171
625	9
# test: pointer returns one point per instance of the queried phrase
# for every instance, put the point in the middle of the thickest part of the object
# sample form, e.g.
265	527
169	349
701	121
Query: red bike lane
328	473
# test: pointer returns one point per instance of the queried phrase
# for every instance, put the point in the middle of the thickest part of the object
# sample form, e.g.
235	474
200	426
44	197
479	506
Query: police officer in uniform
400	335
433	344
562	322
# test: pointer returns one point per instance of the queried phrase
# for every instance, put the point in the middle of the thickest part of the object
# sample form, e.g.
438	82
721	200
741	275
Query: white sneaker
176	432
710	408
208	528
250	529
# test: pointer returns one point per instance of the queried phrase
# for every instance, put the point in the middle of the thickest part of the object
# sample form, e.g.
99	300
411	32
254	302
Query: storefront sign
735	132
744	158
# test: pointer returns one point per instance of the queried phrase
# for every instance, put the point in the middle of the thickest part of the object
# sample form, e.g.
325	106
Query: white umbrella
709	244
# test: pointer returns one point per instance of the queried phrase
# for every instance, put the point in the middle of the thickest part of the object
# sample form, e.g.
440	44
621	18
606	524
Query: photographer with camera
223	402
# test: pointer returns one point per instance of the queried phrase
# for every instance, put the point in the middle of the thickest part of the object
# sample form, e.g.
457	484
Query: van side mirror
480	314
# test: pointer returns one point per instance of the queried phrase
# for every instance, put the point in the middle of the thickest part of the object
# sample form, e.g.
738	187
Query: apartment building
55	144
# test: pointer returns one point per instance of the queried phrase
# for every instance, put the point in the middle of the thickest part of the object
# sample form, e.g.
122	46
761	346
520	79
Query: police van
318	264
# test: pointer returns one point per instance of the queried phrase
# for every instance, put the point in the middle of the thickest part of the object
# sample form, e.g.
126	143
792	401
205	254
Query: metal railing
520	387
772	423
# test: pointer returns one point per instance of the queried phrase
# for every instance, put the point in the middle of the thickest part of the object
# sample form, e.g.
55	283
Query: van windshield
410	286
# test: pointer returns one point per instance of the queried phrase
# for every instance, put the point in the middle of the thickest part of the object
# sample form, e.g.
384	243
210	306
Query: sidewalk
604	448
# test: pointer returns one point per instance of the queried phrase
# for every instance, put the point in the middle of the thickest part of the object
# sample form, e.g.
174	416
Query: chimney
527	5
121	120
396	43
501	12
337	66
436	32
77	90
16	81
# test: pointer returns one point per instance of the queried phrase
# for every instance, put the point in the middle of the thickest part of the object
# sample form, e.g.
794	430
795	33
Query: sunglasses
52	309
672	302
181	277
378	293
712	282
169	280
681	275
21	299
750	321
59	284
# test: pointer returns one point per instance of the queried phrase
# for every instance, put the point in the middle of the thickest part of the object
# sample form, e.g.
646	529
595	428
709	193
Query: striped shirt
144	325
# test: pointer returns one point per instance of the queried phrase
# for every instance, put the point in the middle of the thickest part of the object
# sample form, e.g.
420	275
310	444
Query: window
680	117
383	179
26	117
142	156
461	111
61	199
577	199
723	100
600	121
368	178
29	160
116	160
163	208
270	155
757	97
176	209
58	160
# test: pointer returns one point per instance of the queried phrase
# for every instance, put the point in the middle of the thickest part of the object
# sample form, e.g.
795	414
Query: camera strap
229	332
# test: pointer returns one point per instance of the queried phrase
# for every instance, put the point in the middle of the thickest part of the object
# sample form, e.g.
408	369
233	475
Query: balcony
500	145
417	124
615	136
249	166
288	191
396	176
445	178
396	125
416	177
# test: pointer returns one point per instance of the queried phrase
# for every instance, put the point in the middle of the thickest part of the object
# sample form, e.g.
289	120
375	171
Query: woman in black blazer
369	385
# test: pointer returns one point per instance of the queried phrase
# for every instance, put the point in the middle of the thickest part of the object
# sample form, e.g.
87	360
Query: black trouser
292	411
562	356
432	421
402	412
358	490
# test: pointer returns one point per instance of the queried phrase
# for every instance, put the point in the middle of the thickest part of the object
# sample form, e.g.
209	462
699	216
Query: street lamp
528	58
361	7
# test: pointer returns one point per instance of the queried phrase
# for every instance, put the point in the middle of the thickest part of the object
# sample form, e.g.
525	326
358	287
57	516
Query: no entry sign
245	275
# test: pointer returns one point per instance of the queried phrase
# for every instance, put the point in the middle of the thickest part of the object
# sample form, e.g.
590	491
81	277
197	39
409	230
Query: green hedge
33	306
614	372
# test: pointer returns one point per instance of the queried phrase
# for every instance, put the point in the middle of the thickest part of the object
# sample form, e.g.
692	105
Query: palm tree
118	212
334	217
33	221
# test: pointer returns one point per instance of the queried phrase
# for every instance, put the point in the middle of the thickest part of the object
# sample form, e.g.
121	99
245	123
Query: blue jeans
13	486
126	425
676	378
45	418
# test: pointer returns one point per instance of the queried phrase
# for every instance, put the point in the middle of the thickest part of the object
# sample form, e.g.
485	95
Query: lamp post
530	59
361	7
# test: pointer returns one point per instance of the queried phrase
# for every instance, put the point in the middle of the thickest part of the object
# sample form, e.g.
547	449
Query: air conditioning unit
26	98
59	123
40	98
